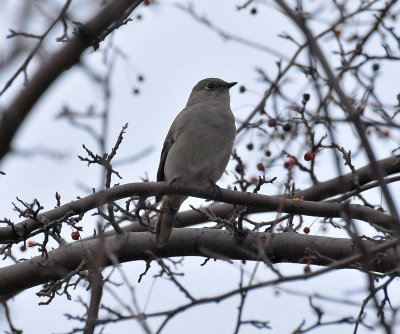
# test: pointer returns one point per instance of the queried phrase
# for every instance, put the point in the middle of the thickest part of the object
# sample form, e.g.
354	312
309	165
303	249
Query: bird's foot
216	190
178	180
289	229
240	235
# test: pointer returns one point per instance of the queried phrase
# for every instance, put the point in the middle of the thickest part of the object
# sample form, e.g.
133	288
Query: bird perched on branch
197	147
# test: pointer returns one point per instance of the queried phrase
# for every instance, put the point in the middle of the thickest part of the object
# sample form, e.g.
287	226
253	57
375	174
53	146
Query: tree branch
63	60
283	247
258	203
346	103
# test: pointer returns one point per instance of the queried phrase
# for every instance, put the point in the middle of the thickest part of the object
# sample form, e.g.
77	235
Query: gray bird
197	147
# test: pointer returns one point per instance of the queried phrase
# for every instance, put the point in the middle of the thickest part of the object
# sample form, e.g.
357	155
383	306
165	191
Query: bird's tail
166	217
164	225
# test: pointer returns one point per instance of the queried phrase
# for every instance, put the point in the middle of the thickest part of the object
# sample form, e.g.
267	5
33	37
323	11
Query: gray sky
173	52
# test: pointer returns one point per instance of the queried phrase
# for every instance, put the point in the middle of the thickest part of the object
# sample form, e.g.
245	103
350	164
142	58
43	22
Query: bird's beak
231	84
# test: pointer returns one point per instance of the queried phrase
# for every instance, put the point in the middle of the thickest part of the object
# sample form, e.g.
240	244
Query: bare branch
67	57
332	252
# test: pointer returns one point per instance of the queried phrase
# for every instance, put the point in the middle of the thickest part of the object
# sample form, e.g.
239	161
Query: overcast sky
172	52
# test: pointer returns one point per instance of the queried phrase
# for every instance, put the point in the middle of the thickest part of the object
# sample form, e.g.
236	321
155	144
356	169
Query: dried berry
260	167
254	180
250	146
242	89
306	230
308	156
289	163
272	122
287	127
239	168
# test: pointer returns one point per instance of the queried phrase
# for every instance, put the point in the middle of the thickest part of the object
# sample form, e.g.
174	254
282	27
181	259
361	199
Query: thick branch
284	247
63	60
258	203
344	183
319	192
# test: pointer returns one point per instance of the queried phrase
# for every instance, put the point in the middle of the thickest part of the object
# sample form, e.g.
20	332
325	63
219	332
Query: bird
197	147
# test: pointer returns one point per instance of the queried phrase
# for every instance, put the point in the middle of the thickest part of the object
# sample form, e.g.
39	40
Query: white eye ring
210	86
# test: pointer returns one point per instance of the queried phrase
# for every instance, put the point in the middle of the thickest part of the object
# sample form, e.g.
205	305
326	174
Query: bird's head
210	89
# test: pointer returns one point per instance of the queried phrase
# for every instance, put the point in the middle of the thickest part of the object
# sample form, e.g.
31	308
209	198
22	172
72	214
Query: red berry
308	156
306	230
75	235
31	243
338	32
307	269
146	2
272	122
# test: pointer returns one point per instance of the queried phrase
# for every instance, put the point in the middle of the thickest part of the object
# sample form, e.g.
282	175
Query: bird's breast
202	149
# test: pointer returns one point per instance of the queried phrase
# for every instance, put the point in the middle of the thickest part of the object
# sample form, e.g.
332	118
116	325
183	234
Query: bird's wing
169	141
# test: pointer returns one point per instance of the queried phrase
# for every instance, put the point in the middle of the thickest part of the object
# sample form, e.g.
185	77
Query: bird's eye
210	86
